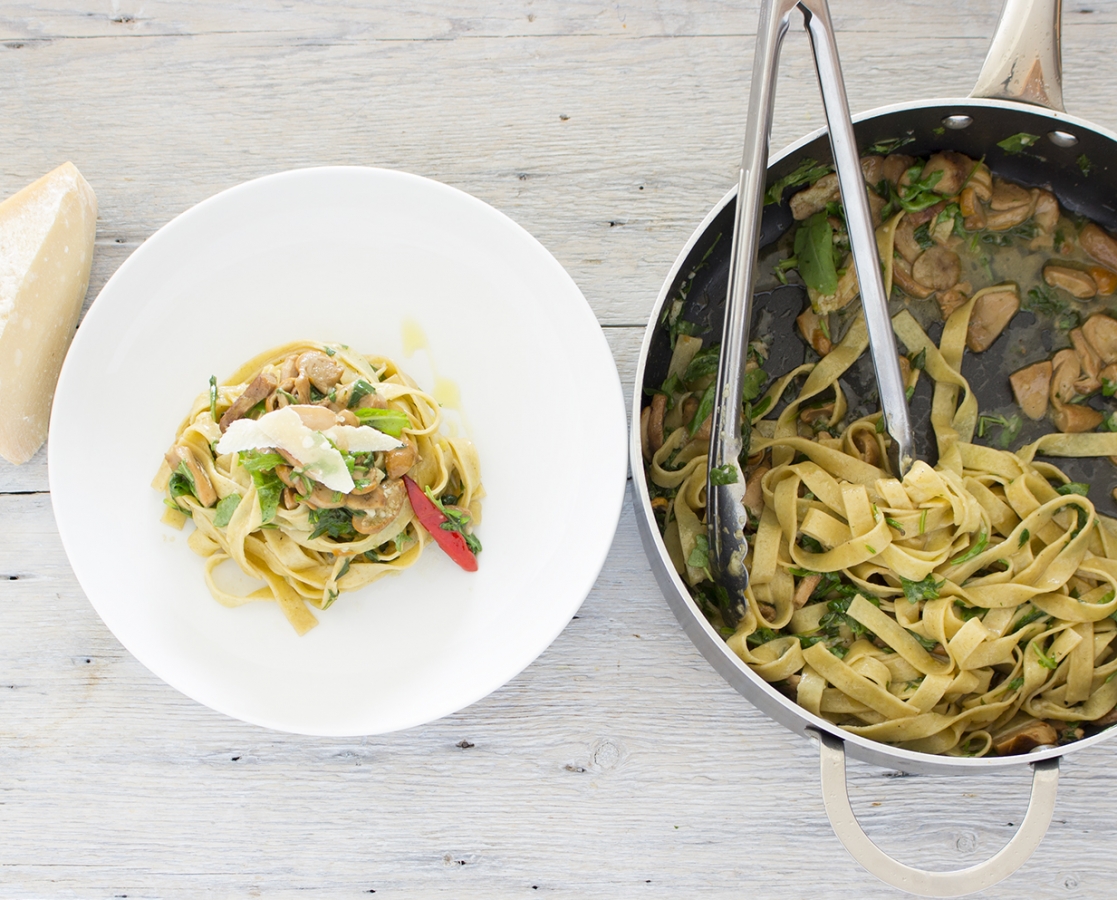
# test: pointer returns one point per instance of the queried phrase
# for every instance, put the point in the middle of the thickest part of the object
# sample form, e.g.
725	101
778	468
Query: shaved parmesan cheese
284	430
46	247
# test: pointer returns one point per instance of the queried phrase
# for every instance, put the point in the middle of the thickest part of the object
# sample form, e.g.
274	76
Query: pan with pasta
316	470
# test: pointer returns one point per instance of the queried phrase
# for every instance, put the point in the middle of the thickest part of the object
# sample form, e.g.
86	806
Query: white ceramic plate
374	259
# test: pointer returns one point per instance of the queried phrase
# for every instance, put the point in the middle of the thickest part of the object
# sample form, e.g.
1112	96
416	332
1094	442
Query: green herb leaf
1073	487
1017	143
705	407
360	388
700	556
390	421
334	523
225	508
268	491
927	589
213	397
726	474
753	383
976	549
814	247
1084	164
1048	662
808	172
258	461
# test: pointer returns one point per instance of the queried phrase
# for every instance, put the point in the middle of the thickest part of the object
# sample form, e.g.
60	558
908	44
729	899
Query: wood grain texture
619	764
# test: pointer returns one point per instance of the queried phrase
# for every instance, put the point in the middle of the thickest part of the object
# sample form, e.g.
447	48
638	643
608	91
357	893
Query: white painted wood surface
618	764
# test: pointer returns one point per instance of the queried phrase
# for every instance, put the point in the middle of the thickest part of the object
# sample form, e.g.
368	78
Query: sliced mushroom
1099	244
258	390
973	213
1075	282
950	300
867	446
1009	218
203	488
872	167
955	168
804	589
1101	331
753	498
347	417
991	313
1031	387
322	497
905	241
1073	418
1065	371
1036	733
895	166
1104	279
316	418
392	496
901	275
981	180
322	371
1007	195
702	433
814	199
937	267
810	326
1108	375
1089	360
1046	217
398	461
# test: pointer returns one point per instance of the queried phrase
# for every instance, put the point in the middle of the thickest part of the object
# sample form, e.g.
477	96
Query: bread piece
46	247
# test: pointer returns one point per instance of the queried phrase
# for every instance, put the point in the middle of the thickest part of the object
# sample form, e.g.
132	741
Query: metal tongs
726	516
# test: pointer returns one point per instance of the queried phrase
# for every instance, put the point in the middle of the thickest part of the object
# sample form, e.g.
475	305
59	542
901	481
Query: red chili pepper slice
431	518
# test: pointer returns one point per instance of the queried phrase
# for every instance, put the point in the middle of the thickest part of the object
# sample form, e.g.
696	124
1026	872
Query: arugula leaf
1073	487
334	523
705	407
1010	427
807	172
390	421
976	549
753	383
1017	143
360	389
700	556
225	508
889	145
927	589
726	474
1084	164
814	247
268	491
1048	662
213	397
705	363
456	520
258	461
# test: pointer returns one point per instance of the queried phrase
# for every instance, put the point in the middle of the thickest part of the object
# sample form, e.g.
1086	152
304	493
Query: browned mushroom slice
1074	418
1023	738
323	497
955	168
814	199
753	498
322	371
991	313
810	326
1075	282
894	167
1031	387
1101	331
1089	360
203	488
867	447
950	300
399	460
261	386
938	268
901	275
1046	217
1066	369
390	497
804	589
1007	195
703	431
1108	378
872	167
981	180
1104	279
905	241
973	213
1099	244
316	418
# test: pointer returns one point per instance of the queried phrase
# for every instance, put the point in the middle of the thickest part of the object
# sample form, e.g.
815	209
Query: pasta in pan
967	608
318	470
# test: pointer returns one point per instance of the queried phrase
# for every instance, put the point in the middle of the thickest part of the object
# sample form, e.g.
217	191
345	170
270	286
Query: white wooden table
619	764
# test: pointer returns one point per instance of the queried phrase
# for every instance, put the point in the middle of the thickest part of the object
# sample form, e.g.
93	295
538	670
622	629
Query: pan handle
960	882
1024	62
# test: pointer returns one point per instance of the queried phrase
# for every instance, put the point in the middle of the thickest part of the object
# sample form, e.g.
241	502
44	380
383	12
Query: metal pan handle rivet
1062	138
957	123
960	882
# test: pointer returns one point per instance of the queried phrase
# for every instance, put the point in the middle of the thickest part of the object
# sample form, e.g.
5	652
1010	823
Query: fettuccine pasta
301	470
